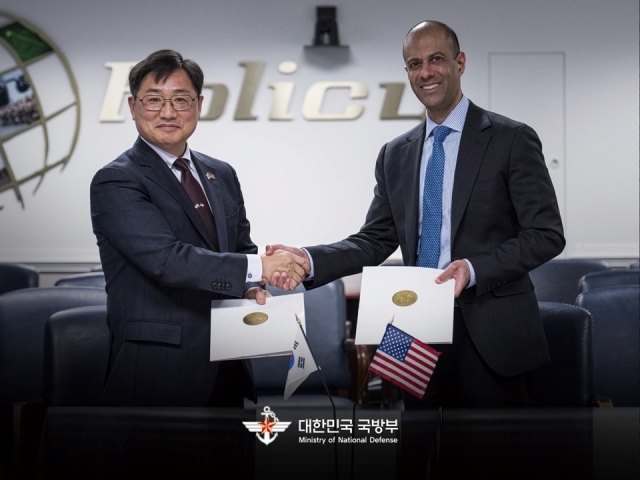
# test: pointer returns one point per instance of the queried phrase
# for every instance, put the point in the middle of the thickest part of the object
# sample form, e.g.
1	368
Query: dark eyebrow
177	91
429	57
441	54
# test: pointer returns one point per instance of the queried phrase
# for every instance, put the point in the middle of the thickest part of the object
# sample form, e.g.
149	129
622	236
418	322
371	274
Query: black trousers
463	379
230	386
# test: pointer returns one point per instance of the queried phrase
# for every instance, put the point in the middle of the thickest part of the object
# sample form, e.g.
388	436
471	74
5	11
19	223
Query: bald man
490	219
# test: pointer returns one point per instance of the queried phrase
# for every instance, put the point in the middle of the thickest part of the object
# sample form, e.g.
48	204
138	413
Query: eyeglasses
156	103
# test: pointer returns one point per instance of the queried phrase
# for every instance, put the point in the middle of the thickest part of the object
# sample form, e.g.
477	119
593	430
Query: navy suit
162	275
504	220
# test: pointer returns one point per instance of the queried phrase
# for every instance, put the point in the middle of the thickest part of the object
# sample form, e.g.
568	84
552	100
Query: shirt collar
455	120
167	157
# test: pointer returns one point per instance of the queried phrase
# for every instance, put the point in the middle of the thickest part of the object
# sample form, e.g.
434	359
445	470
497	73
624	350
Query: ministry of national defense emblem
267	430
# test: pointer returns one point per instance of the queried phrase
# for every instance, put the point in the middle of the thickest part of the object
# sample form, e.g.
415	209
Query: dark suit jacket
504	220
162	275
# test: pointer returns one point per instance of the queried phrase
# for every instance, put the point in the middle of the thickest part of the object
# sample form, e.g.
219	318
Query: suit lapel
212	189
473	145
411	154
157	171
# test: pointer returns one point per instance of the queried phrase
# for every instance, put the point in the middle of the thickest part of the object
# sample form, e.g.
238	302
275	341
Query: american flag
404	361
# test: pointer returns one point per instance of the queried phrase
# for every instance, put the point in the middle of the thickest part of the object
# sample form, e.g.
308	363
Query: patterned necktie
198	198
429	252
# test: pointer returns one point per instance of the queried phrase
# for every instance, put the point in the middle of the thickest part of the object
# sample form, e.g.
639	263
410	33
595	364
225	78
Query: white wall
310	182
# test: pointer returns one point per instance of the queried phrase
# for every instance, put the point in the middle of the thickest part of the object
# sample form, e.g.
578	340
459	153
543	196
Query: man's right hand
281	279
283	262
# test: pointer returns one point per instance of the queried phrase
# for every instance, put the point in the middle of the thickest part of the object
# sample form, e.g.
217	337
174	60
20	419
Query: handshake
284	267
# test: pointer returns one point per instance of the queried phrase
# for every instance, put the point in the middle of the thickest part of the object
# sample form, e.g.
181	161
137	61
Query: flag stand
326	388
353	421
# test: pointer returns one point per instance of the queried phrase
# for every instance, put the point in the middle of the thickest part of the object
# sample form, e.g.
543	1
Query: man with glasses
173	236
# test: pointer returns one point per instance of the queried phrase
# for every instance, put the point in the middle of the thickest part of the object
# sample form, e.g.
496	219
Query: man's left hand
259	294
459	271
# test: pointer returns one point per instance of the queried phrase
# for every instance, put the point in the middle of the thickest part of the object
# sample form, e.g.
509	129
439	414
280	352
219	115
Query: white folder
232	337
424	310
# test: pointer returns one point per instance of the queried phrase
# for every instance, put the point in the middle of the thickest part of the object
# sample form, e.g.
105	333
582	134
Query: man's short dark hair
450	35
161	65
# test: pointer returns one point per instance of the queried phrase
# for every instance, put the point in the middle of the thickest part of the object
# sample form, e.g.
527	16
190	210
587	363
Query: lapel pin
210	176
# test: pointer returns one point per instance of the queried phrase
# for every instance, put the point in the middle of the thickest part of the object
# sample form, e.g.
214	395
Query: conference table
107	442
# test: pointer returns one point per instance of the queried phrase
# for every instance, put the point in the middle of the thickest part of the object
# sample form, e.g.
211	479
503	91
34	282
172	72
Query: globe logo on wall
39	106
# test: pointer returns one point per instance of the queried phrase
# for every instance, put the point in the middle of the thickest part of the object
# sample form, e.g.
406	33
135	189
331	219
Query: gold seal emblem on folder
255	318
404	298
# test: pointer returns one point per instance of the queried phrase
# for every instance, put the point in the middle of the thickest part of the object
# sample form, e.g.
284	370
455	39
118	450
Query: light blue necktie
429	251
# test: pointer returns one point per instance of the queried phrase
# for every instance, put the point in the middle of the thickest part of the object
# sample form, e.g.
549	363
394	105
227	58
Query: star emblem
266	426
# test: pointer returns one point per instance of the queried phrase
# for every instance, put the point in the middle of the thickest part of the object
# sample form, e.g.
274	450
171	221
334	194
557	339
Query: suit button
228	287
214	286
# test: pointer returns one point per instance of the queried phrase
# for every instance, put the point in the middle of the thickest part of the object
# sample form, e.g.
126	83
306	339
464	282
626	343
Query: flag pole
353	414
326	388
353	421
366	379
317	365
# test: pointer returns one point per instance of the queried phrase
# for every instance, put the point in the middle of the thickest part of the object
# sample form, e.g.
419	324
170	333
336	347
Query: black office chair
609	278
568	380
23	315
14	276
325	316
557	280
615	312
76	353
635	265
91	279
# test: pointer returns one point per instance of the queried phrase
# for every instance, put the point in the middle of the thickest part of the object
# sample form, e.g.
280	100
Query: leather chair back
568	380
91	279
14	276
76	353
616	323
609	278
557	280
23	315
325	317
